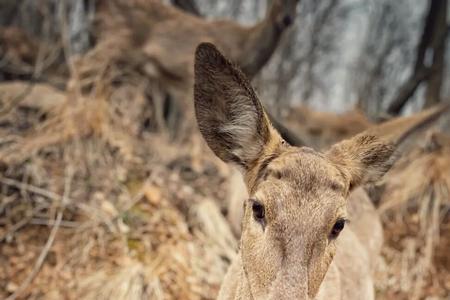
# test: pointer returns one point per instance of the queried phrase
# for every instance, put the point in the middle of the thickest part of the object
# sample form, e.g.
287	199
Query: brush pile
94	204
415	210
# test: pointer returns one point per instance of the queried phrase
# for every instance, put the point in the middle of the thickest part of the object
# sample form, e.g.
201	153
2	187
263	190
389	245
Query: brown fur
168	36
160	40
288	254
322	129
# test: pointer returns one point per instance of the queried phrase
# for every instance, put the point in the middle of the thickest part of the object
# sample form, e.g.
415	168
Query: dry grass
415	210
137	220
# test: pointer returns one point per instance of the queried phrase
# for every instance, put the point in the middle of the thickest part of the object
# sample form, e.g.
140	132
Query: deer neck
262	40
235	284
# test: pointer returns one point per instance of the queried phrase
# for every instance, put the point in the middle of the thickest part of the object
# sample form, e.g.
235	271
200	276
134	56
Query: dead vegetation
127	218
94	204
415	206
95	200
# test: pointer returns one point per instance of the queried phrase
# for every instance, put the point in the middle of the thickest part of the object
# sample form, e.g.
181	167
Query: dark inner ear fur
229	114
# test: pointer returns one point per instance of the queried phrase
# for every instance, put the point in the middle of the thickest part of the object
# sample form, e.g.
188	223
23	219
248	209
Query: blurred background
107	190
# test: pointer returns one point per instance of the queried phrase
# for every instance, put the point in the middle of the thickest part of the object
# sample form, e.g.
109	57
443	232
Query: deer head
297	204
283	12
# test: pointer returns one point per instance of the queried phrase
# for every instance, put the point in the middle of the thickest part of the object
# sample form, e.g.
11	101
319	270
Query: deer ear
363	159
229	115
366	157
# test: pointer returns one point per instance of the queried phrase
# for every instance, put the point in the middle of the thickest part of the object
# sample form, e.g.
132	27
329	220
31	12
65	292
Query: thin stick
48	244
44	222
55	197
40	260
21	223
31	188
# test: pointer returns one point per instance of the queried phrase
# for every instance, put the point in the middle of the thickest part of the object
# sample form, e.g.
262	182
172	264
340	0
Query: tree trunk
432	42
78	28
407	90
187	5
438	45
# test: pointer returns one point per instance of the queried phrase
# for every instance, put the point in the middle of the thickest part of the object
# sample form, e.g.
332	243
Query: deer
315	129
164	39
295	241
168	36
321	129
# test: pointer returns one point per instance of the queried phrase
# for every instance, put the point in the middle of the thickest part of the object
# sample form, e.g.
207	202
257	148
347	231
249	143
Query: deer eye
337	228
258	211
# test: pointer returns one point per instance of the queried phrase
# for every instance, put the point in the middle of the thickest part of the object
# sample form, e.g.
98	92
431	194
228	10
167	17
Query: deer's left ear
363	159
229	114
366	157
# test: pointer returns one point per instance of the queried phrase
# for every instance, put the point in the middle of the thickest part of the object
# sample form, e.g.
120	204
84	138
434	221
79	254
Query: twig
31	188
21	223
15	227
40	260
55	197
48	244
45	222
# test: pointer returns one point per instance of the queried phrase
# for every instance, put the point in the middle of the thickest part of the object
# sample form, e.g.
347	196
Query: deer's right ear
229	115
367	156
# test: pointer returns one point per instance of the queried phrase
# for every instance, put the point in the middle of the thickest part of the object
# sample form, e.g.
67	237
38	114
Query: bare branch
187	5
433	40
48	244
407	90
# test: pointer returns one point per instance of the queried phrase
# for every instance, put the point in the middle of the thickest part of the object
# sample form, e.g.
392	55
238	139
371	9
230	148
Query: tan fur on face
303	194
286	253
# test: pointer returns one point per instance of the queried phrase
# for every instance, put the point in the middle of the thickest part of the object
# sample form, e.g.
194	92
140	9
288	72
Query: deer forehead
305	170
301	181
